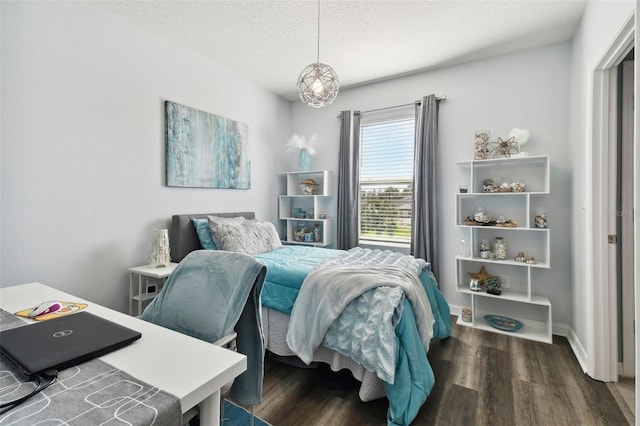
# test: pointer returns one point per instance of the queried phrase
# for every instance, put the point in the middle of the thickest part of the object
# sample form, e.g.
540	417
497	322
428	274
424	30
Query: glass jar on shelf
500	249
485	249
466	314
480	214
504	185
518	185
465	251
488	185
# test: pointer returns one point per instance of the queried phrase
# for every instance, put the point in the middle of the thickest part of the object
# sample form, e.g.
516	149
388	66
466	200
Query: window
386	177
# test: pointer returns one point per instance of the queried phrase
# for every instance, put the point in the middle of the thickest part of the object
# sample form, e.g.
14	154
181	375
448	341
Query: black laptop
63	342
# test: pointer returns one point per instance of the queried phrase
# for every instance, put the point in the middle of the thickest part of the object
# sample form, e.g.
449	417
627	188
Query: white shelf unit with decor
518	299
303	213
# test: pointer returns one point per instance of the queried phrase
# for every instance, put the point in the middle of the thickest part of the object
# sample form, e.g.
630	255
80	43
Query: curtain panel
424	230
348	181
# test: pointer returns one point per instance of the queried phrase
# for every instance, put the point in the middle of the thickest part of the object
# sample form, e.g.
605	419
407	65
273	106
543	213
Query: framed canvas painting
205	150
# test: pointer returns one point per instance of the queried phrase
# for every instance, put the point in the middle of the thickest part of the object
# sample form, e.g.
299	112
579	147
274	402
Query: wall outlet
151	287
506	281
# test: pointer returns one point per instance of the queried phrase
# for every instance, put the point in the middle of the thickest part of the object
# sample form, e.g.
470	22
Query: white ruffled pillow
245	237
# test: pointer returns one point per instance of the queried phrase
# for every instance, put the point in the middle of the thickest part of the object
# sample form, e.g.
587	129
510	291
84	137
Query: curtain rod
418	102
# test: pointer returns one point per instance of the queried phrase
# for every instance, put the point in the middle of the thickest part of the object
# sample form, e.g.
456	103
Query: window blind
386	179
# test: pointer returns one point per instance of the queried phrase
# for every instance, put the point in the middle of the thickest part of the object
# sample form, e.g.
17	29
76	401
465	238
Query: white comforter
325	294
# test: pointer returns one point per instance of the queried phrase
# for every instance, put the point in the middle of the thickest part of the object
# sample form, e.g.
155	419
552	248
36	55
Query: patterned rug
234	415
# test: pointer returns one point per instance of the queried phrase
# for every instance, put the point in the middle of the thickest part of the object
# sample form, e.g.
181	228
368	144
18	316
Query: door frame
602	353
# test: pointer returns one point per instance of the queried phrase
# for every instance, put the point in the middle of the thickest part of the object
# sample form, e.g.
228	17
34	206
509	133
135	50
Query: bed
288	266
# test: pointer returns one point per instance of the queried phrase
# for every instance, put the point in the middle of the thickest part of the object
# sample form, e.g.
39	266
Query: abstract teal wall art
205	150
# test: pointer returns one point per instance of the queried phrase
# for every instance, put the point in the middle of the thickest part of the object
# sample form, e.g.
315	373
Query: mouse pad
66	309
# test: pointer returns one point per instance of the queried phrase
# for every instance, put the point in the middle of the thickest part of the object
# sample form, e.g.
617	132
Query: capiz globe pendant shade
318	85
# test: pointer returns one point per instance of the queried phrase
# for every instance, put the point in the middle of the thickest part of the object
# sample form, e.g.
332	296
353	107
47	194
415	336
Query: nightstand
159	277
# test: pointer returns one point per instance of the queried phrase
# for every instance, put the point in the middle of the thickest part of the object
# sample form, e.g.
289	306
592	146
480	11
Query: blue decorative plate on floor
503	323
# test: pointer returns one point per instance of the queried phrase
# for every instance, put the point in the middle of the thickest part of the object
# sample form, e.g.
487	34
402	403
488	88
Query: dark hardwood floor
481	379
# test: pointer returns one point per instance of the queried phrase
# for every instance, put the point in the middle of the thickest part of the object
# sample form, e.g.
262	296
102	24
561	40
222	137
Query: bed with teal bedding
287	269
411	378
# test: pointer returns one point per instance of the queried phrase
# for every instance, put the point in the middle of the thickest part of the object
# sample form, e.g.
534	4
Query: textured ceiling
270	41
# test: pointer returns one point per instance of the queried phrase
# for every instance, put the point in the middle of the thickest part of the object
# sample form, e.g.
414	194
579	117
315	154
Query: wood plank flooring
482	378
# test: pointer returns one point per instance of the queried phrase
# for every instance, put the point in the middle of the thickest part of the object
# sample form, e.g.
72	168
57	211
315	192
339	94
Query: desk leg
210	410
131	293
139	294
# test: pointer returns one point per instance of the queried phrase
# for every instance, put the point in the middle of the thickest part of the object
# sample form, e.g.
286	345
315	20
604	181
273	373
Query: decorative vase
160	256
304	160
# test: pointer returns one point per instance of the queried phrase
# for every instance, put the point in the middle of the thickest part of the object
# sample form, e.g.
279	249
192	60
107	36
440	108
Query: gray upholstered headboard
182	236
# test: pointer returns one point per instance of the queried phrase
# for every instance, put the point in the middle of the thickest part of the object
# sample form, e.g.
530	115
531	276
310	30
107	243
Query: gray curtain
348	172
424	227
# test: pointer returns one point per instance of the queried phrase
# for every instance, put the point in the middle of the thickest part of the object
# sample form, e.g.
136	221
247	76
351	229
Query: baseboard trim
560	330
455	309
578	349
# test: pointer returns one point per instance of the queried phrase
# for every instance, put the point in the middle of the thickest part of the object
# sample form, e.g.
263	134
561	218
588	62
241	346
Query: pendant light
318	83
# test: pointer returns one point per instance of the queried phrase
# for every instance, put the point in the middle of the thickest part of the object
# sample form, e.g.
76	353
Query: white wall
83	144
529	90
601	23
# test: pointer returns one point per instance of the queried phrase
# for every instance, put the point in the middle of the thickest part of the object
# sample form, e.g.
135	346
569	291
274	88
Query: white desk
188	368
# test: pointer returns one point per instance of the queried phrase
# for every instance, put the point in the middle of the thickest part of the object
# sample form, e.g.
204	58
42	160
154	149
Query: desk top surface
186	367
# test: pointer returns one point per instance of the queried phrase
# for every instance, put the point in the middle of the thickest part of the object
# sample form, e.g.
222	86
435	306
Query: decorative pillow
222	219
245	237
204	233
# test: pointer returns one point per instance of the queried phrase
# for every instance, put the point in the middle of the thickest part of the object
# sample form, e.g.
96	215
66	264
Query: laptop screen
62	342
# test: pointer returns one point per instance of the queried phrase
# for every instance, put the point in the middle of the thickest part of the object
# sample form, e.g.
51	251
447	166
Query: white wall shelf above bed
504	198
302	208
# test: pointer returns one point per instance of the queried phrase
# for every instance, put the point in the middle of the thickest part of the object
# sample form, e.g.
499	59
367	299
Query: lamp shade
318	85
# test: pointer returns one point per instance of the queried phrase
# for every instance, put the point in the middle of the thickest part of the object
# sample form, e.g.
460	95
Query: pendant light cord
318	83
318	57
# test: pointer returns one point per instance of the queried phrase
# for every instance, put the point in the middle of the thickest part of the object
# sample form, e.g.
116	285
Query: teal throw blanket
210	293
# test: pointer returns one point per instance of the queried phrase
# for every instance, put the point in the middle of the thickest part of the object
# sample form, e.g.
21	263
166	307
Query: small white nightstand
159	275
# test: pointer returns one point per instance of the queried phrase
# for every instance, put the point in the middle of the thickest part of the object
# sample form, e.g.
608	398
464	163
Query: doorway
602	352
625	256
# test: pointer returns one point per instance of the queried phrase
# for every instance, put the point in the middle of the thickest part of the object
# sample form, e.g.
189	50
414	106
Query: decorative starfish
481	276
503	148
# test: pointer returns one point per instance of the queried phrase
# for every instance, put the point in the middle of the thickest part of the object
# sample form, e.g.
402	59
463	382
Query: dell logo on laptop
62	333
